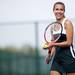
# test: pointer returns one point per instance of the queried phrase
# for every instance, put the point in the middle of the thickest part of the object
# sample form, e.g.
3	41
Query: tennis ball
45	46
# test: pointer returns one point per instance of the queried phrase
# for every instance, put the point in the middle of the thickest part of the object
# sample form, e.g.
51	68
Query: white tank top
63	22
63	31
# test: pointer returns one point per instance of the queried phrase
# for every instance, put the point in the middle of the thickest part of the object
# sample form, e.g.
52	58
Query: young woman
64	60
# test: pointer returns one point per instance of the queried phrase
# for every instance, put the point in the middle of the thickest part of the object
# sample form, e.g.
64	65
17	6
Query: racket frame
48	27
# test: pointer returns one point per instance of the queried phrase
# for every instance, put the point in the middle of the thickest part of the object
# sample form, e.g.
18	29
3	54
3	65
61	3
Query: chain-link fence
20	49
21	64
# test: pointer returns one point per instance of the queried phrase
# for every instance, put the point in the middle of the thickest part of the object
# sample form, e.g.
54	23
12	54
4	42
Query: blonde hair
59	3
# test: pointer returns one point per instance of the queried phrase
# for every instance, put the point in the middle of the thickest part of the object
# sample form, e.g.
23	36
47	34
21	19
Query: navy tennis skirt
63	60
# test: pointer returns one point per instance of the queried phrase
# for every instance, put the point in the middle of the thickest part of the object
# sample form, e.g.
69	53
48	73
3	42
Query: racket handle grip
49	51
48	58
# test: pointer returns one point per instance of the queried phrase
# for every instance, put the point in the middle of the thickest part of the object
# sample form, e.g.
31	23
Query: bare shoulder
68	23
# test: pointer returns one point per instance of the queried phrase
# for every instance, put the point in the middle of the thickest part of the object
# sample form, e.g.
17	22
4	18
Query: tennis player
64	60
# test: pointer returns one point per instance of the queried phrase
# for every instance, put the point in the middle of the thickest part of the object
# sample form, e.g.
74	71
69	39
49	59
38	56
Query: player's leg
56	69
70	73
55	73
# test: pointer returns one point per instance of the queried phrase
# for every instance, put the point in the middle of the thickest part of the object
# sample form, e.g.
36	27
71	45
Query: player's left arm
69	32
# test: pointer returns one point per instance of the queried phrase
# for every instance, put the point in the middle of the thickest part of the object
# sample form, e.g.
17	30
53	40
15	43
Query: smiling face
59	10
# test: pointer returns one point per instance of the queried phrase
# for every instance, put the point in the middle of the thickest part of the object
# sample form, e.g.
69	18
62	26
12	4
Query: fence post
37	50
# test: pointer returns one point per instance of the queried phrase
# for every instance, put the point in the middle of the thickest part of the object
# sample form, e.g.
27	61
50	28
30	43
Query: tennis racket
52	33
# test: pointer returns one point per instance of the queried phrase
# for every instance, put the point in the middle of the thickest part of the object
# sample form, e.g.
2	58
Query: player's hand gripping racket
52	33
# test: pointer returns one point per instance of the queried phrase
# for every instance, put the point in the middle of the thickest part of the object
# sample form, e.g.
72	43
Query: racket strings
56	28
53	32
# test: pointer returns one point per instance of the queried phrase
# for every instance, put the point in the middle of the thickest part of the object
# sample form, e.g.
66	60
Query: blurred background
22	24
